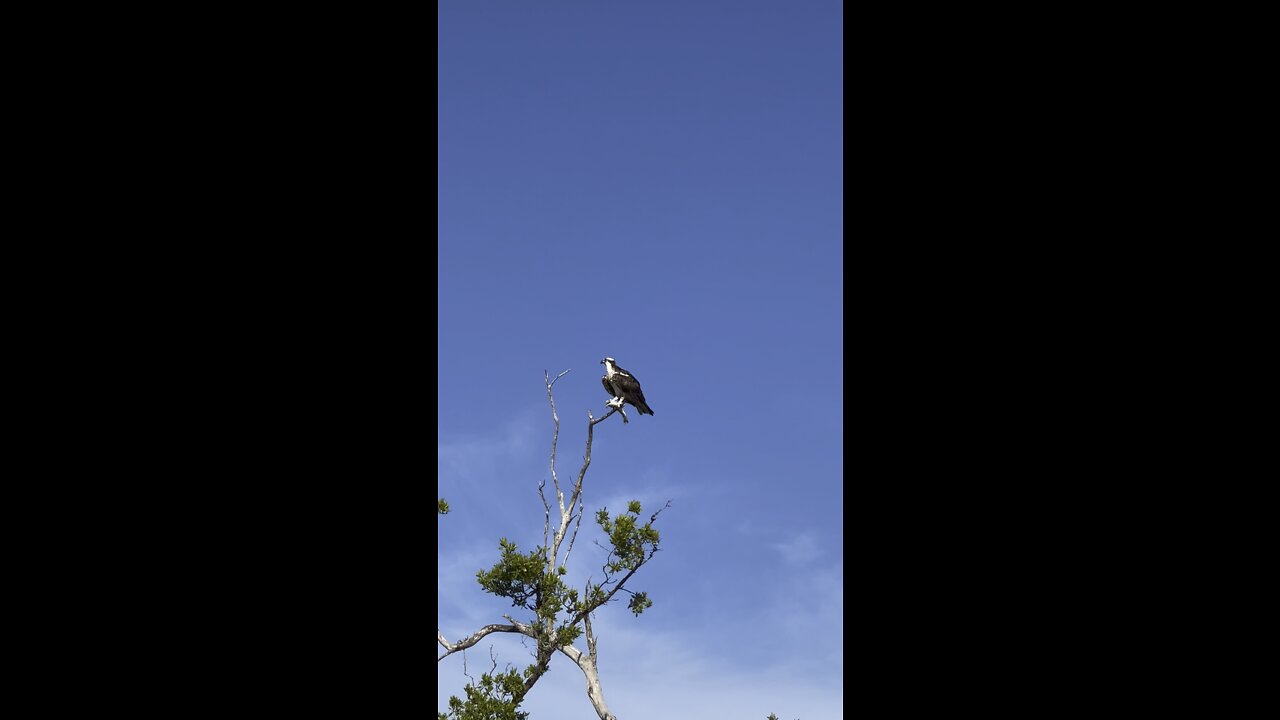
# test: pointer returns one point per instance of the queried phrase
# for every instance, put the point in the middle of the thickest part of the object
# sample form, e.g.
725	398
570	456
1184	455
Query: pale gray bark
472	639
587	663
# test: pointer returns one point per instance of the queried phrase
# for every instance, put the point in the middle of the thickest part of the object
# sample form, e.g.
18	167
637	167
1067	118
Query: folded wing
628	388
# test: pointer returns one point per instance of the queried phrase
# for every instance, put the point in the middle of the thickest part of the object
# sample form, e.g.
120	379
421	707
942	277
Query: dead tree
534	581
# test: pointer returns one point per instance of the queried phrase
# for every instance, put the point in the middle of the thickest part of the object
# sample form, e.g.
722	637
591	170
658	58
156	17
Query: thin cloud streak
799	550
478	457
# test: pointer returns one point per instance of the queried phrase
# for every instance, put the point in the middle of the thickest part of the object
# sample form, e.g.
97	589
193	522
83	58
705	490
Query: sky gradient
660	183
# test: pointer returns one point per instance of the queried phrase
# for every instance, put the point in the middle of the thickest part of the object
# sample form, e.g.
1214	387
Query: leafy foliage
525	580
518	577
632	545
529	582
496	698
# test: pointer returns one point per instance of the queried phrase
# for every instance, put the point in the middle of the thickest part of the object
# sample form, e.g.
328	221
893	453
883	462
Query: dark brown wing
629	389
604	380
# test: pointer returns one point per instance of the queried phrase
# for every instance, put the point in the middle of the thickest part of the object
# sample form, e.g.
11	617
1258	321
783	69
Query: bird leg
615	403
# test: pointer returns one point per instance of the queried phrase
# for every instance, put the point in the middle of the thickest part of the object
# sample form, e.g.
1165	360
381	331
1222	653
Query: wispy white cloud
490	479
463	606
480	456
808	609
800	549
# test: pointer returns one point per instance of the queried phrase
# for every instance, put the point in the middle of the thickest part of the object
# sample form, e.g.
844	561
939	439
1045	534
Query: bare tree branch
588	666
574	536
603	417
472	639
575	497
555	438
546	509
591	640
591	607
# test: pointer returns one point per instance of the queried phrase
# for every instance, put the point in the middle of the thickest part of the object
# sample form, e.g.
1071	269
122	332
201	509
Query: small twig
553	382
546	511
575	533
519	626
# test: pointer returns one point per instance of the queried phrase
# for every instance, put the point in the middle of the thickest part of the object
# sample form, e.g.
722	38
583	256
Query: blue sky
661	183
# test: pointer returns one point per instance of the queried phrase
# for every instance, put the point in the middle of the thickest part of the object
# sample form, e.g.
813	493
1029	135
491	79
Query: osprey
623	387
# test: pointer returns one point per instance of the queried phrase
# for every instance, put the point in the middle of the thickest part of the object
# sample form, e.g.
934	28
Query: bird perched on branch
623	387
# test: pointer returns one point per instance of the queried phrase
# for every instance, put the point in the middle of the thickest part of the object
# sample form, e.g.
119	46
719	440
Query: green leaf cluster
496	698
632	546
530	581
524	580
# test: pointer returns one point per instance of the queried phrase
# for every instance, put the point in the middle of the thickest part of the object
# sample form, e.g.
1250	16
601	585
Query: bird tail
644	409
